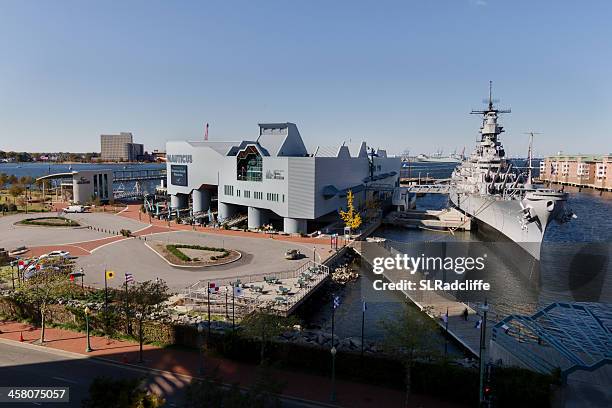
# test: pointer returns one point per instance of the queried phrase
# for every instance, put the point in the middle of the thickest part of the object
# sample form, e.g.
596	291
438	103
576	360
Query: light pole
201	346
333	391
483	337
87	312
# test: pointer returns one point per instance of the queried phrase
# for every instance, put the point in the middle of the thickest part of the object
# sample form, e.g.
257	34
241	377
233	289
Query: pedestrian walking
465	314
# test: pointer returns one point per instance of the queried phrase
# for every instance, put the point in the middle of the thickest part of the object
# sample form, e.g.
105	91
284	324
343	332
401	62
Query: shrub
126	232
174	249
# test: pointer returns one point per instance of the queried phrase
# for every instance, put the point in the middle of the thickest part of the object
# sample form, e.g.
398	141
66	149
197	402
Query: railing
198	292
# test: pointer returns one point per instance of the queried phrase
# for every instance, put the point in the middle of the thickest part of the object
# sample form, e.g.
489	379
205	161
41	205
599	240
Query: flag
364	306
336	302
478	324
71	278
110	274
129	278
238	292
212	287
20	264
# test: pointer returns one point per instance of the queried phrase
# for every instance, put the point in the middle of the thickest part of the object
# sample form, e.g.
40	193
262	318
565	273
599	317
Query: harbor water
575	264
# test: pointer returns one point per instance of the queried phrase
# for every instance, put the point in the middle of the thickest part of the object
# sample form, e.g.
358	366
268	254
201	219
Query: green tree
145	300
120	393
264	325
44	288
15	191
411	337
211	393
3	180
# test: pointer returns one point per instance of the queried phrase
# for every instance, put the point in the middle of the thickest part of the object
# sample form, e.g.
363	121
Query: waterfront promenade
435	303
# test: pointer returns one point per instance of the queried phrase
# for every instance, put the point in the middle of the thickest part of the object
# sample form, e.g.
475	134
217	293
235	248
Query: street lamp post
333	391
87	312
201	346
483	345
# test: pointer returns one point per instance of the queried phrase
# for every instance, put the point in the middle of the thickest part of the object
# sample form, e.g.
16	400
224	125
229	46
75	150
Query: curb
135	367
194	266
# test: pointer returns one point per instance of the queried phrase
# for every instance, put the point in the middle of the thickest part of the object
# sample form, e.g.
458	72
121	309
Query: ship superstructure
487	187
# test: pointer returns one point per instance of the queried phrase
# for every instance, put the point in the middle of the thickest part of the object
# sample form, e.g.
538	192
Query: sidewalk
299	385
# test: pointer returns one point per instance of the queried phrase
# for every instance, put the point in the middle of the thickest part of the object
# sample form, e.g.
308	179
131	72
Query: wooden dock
434	303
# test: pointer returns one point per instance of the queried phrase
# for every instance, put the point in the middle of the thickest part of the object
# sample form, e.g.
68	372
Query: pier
434	303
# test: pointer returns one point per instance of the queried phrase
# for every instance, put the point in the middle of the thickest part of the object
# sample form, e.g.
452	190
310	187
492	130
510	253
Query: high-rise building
120	147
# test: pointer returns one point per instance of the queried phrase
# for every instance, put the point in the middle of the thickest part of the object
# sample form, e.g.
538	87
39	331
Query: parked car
75	209
293	254
58	254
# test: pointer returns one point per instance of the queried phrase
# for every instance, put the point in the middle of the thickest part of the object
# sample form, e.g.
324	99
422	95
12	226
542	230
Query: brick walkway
299	385
133	211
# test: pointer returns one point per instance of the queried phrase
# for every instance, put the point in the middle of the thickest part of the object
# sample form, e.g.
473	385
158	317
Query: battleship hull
504	217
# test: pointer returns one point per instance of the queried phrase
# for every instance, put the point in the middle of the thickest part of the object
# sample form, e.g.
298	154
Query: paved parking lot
133	256
259	255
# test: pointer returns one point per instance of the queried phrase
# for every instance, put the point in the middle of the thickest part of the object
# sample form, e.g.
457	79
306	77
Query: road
31	366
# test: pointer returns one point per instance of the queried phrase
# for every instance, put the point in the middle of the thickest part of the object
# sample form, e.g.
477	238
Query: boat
502	199
439	158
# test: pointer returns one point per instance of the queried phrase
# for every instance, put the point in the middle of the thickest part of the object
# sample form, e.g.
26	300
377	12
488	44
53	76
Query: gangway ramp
434	303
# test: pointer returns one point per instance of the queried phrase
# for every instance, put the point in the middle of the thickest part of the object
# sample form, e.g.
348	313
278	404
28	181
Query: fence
198	292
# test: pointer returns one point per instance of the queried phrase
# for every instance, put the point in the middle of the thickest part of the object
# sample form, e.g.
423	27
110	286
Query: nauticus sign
179	158
275	175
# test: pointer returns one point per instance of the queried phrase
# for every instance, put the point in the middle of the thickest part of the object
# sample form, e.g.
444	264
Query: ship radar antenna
530	154
490	95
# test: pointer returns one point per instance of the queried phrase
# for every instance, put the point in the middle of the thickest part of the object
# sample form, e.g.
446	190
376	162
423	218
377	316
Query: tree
145	300
3	180
15	191
411	337
211	393
264	325
44	288
122	393
351	217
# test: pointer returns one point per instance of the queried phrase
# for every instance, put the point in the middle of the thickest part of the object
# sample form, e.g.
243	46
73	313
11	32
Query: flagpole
446	337
208	304
226	309
127	317
333	318
363	309
333	353
105	293
233	308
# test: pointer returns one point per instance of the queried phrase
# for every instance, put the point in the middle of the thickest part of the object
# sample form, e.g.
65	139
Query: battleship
502	198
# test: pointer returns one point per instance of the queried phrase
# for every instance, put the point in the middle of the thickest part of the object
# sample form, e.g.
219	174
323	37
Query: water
574	263
42	169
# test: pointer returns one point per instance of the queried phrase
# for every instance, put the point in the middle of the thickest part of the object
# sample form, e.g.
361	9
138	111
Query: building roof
570	336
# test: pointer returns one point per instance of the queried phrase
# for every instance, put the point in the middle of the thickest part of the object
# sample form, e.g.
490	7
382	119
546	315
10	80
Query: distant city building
578	170
120	147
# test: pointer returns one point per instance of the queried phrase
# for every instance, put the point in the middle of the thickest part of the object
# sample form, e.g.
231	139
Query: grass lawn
35	203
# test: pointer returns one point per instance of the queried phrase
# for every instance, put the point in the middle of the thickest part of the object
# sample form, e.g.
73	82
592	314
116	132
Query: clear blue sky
399	74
